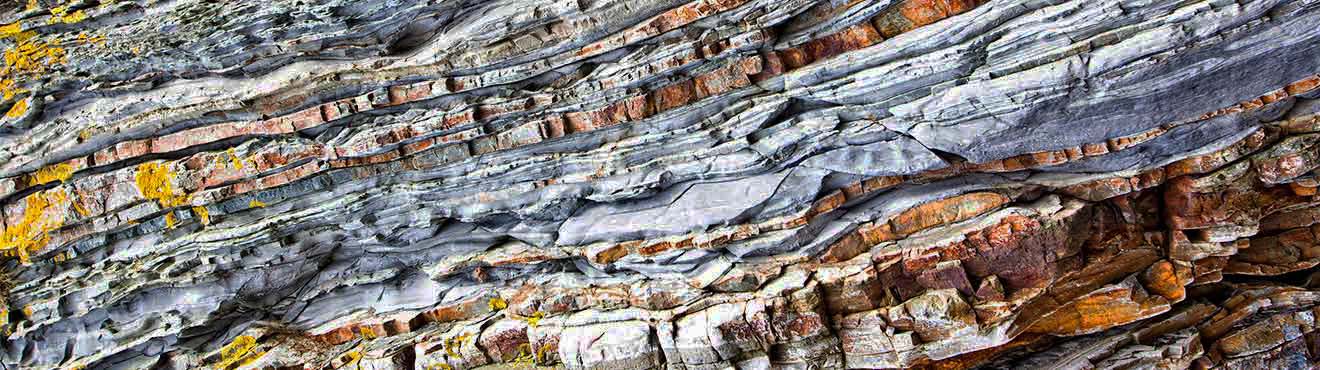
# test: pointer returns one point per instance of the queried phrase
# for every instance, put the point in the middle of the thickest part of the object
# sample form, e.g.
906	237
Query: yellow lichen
155	180
30	58
82	211
233	159
33	56
202	214
354	357
367	333
9	90
10	30
18	109
454	344
497	304
256	204
525	355
439	366
61	14
540	353
83	38
238	353
59	172
535	318
42	213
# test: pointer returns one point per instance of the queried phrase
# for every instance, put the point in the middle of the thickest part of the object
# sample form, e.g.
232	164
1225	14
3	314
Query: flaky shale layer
644	184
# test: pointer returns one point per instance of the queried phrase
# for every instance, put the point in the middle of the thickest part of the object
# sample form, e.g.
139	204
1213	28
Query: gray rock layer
602	184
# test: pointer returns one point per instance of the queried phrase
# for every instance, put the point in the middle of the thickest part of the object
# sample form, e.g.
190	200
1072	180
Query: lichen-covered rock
679	184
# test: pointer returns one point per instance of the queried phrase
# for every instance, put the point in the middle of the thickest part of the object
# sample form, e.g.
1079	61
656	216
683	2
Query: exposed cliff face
642	184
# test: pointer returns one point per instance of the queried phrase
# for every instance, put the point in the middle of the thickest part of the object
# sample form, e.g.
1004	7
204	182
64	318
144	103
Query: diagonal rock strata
660	184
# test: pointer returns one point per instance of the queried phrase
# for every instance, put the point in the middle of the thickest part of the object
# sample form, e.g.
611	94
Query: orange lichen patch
852	38
155	180
661	23
461	310
1297	87
1105	308
911	14
1209	162
1167	280
43	213
1304	85
923	12
946	211
672	96
1049	158
239	353
925	216
1193	203
1302	190
607	254
1029	160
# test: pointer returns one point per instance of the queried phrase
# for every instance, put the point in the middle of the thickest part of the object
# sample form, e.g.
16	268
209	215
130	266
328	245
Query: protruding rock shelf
660	184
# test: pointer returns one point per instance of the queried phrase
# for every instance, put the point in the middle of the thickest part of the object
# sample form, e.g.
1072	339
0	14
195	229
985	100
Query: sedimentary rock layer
672	184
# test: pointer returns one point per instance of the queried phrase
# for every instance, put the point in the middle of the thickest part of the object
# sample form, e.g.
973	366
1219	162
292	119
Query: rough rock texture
680	184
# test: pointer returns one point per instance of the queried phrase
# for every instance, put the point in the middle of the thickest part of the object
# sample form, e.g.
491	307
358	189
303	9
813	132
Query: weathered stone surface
673	184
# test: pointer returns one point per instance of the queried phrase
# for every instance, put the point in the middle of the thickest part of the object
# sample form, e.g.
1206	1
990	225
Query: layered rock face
644	184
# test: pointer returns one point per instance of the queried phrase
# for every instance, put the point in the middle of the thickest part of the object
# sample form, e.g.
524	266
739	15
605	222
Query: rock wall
680	184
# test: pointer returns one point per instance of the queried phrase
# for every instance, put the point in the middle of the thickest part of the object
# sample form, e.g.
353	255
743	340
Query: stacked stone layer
660	184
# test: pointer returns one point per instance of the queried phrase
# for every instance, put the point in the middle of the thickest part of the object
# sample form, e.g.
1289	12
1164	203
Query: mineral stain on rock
677	184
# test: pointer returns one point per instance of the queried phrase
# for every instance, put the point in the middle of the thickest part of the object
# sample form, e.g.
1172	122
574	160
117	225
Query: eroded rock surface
705	184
